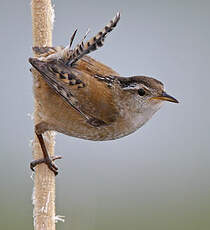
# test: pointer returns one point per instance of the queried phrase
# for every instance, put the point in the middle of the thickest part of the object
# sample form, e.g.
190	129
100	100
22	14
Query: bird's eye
141	92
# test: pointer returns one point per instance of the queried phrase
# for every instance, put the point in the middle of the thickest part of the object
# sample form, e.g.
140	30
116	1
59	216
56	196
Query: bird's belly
78	127
62	118
86	131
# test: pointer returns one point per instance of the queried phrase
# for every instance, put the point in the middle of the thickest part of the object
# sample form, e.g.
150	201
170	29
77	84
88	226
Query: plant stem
44	181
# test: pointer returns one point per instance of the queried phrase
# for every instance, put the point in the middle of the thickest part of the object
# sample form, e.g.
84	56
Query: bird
89	100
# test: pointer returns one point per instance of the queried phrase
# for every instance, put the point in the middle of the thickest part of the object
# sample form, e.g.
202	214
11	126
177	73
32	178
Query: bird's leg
47	160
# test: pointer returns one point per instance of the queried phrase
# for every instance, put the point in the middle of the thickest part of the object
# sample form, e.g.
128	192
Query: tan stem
44	181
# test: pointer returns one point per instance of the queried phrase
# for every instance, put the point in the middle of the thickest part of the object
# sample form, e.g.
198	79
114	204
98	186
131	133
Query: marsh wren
89	100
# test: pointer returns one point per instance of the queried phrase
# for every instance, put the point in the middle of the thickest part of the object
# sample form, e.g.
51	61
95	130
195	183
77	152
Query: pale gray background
156	178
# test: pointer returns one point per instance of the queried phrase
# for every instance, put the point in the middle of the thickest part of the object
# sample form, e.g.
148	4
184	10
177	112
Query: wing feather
91	98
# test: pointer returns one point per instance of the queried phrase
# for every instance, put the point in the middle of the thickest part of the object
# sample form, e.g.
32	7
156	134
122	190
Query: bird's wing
84	87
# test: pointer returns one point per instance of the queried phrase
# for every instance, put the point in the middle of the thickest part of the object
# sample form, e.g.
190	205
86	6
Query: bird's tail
91	45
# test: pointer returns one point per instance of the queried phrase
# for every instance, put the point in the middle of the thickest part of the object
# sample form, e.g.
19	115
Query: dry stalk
44	181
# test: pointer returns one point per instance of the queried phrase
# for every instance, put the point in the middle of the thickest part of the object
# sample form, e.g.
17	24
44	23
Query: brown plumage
78	87
89	100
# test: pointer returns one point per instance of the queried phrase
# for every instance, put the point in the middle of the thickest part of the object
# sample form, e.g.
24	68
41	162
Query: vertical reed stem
44	181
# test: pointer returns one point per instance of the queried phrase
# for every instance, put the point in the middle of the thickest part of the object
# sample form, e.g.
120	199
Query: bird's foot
48	161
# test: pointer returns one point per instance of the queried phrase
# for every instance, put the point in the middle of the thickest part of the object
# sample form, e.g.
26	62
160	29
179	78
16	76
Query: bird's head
144	94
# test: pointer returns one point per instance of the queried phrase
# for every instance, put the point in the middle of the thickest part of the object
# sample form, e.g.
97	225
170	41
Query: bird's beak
166	97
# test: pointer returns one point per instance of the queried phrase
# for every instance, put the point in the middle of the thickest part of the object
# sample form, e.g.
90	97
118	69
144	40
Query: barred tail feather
94	43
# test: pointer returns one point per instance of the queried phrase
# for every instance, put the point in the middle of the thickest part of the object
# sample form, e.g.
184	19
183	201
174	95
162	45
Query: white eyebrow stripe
144	86
135	86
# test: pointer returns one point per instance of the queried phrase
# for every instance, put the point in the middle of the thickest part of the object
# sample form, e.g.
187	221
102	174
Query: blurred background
156	178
